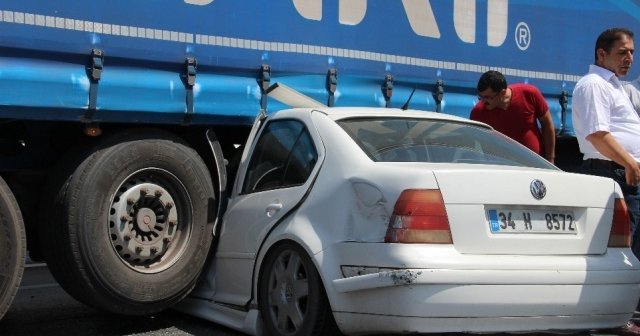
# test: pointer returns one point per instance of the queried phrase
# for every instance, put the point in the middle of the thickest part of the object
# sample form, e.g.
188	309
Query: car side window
284	156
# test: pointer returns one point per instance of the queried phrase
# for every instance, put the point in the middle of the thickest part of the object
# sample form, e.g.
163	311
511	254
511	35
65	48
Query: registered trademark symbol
523	36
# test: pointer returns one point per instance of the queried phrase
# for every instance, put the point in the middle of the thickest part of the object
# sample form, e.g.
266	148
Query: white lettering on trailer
309	9
464	20
104	28
351	12
497	21
523	36
421	17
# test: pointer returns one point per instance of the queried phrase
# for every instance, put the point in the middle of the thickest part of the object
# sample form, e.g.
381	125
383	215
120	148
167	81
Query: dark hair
608	37
492	79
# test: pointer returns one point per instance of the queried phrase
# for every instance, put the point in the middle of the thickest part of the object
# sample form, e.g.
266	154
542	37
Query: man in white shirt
607	126
633	90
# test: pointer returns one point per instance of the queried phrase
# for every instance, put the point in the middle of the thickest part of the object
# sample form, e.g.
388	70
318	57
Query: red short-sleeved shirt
520	120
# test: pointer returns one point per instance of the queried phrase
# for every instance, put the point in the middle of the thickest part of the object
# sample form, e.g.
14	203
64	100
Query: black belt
602	164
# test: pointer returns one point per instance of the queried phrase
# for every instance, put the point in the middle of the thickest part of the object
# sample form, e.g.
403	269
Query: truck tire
130	226
12	247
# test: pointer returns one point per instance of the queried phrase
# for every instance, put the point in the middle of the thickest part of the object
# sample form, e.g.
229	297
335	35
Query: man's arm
475	111
633	91
548	136
607	145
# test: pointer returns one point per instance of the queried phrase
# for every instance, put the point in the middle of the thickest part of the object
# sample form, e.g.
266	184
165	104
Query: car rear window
427	140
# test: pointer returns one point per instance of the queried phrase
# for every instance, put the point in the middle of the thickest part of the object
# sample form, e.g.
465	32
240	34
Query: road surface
42	307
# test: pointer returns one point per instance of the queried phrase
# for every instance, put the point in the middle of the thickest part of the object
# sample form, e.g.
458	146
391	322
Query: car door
273	179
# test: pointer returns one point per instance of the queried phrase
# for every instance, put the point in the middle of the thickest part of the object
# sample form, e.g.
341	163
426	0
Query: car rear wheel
12	247
131	225
292	300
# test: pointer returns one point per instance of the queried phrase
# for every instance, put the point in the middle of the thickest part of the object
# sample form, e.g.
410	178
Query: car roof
338	113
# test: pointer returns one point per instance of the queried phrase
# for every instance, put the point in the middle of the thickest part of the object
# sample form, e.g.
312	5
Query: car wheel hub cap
286	292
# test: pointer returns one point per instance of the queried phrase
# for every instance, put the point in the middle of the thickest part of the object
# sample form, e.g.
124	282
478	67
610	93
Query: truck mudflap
12	247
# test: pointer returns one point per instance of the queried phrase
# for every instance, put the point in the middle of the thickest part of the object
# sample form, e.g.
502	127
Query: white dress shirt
600	103
633	91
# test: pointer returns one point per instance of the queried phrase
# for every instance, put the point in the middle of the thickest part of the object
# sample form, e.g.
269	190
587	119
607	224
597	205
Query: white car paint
483	282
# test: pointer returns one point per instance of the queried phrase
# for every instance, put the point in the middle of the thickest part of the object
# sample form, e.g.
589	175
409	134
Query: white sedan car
369	221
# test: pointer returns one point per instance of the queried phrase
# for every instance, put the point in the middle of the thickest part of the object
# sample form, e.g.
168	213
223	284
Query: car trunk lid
519	212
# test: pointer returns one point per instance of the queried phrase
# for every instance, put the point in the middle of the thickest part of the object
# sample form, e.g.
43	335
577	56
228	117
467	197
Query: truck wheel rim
149	220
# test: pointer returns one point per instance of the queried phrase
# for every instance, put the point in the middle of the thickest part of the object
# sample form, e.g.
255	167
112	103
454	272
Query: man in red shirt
514	111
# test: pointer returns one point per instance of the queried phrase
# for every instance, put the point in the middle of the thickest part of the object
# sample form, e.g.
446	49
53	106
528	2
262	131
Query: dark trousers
631	193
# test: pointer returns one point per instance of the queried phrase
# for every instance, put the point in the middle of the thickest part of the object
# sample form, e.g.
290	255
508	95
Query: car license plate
531	221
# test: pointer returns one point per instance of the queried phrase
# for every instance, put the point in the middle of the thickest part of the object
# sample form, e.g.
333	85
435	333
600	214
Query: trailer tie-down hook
189	80
264	79
438	94
94	72
332	84
387	89
564	99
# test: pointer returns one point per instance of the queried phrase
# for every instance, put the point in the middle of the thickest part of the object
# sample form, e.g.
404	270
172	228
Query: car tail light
620	235
419	216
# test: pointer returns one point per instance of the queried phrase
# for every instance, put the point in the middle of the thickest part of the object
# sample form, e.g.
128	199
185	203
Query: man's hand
632	174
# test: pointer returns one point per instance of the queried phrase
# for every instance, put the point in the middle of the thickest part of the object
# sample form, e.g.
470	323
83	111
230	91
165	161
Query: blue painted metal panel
44	47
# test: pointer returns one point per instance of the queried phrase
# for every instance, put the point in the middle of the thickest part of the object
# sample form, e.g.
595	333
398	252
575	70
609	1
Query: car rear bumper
418	277
442	290
375	324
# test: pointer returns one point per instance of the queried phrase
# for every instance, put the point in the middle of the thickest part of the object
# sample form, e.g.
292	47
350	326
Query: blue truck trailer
143	105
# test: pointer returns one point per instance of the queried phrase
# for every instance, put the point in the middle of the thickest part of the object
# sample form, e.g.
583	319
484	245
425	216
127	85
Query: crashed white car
369	220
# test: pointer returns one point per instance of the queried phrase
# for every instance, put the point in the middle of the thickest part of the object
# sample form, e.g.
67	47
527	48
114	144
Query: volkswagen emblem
538	190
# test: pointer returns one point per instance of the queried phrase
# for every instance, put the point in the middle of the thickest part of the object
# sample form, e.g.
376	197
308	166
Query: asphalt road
42	307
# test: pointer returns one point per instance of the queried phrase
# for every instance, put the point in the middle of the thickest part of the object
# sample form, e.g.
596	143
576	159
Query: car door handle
273	208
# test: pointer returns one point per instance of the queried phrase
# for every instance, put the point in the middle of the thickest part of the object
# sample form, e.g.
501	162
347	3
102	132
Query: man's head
614	50
492	87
